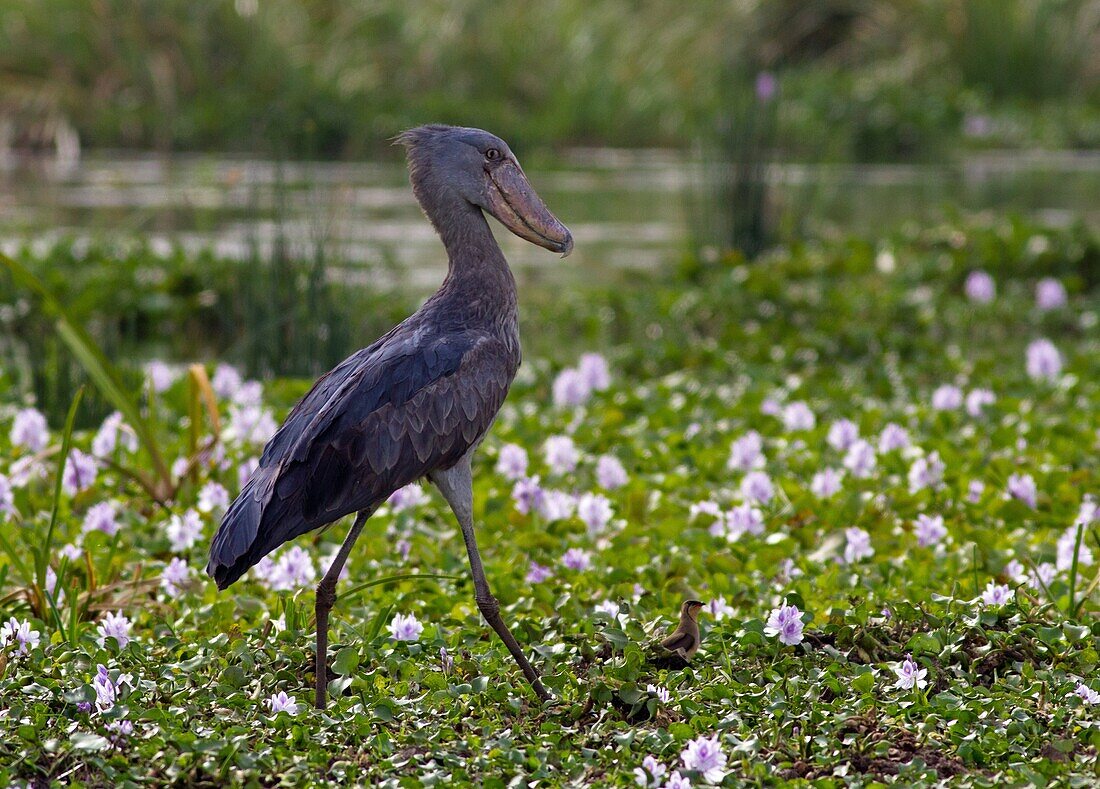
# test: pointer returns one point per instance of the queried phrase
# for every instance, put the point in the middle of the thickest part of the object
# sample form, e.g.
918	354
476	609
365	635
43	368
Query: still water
627	210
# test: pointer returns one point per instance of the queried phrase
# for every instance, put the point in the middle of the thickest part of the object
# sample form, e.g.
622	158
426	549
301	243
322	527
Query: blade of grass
1072	608
393	579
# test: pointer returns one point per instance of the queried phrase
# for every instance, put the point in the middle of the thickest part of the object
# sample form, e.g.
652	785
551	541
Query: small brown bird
684	640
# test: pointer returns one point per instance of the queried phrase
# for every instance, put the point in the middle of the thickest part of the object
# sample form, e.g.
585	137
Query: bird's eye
492	154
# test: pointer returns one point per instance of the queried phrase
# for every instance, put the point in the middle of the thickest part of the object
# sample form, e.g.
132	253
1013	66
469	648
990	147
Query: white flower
595	511
746	453
512	462
405	628
757	486
842	434
184	530
910	675
858	545
213	496
561	454
1043	360
610	473
798	416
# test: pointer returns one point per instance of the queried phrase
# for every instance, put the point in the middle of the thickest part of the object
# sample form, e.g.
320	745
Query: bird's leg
456	484
326	599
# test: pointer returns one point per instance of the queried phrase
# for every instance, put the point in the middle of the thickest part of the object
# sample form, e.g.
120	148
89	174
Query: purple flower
175	575
980	287
249	394
974	491
407	498
704	756
160	375
650	773
250	424
106	438
226	381
826	483
446	662
744	518
556	505
843	433
1015	571
80	472
746	453
595	511
570	388
766	86
719	608
757	486
677	781
926	472
1044	363
403	547
560	454
929	530
576	559
978	399
798	416
893	437
114	626
29	430
101	517
213	496
184	530
281	702
910	675
120	729
15	631
536	573
995	594
1043	575
106	691
7	496
663	695
1022	487
860	459
610	473
1050	294
609	607
293	570
858	545
1089	512
528	495
947	398
405	628
1086	694
786	623
771	407
512	462
594	370
1067	543
977	125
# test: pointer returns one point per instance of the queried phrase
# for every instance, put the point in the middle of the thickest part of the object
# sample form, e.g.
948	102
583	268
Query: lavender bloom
114	626
106	438
650	773
610	473
860	459
250	424
560	454
757	486
527	495
213	496
29	430
101	517
536	573
1089	512
281	702
405	628
704	756
595	371
980	287
1050	294
7	496
1044	363
977	399
893	437
786	623
1086	694
663	695
570	388
798	416
1066	545
744	518
15	631
677	781
80	472
595	511
407	498
556	505
926	472
1015	570
719	608
974	491
609	607
175	575
403	547
512	462
1043	575
746	453
929	530
1022	487
826	483
84	706
995	595
910	675
184	530
576	559
446	662
766	86
226	381
105	690
294	570
160	375
120	729
771	407
249	394
858	545
947	398
843	433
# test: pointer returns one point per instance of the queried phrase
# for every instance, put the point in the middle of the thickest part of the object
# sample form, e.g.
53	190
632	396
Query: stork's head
454	162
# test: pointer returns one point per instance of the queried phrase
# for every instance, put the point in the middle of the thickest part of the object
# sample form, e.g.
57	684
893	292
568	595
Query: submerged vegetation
874	459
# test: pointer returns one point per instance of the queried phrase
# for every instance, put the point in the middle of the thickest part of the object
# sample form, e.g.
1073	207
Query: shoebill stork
418	401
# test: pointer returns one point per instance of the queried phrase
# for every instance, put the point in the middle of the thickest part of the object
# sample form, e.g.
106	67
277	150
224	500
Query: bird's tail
235	546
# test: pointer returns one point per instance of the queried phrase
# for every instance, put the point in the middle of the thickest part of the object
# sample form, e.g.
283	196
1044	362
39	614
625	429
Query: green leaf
84	741
347	660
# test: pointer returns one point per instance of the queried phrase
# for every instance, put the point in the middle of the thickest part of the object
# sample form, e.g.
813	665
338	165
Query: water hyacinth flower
213	497
1015	570
910	675
105	690
1086	694
947	398
80	472
757	486
249	394
446	662
250	425
1089	512
576	559
842	434
29	430
409	497
115	626
744	518
974	491
537	573
560	454
7	496
184	530
107	437
929	530
785	623
704	755
1050	294
610	473
403	548
595	511
175	575
980	287
1067	544
595	371
1044	362
677	781
1023	488
767	85
527	495
609	607
771	407
556	505
226	381
926	472
860	459
977	399
893	437
293	570
570	389
857	545
405	628
995	595
160	375
101	517
826	483
512	462
663	694
280	702
798	416
719	608
19	632
120	729
650	773
1043	575
747	452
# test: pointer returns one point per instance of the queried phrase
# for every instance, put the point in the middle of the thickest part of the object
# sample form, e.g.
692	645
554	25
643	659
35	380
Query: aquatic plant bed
876	461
